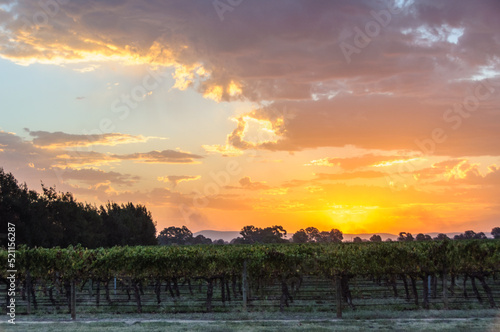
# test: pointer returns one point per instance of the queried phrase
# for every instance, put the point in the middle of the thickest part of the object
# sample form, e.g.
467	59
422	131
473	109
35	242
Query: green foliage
263	260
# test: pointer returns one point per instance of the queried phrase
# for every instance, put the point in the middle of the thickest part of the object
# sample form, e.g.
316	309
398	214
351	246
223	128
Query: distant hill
216	235
229	235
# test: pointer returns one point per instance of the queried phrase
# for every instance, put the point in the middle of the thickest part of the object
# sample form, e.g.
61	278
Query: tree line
277	234
51	219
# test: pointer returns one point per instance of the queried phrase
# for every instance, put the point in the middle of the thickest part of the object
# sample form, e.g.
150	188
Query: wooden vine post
28	288
338	293
245	285
445	289
73	299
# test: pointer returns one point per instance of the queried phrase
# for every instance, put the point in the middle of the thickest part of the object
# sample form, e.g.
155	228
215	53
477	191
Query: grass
473	324
419	320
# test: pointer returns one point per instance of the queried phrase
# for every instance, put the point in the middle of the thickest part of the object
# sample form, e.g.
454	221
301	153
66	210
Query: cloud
95	176
269	51
247	184
350	175
460	172
224	150
176	179
366	160
53	150
162	157
399	85
53	140
390	123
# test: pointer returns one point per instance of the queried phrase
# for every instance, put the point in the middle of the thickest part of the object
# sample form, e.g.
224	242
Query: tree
441	237
175	235
312	234
469	235
200	239
128	225
274	234
334	235
54	219
496	232
300	237
17	206
251	234
480	236
403	236
357	239
376	238
423	237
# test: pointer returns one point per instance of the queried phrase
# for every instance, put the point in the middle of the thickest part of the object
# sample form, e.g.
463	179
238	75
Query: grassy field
452	320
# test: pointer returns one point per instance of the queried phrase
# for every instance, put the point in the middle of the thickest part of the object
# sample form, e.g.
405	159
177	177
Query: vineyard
286	277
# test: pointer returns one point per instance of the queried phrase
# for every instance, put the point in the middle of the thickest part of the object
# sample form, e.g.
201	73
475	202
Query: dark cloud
63	140
176	179
277	50
417	62
95	176
165	156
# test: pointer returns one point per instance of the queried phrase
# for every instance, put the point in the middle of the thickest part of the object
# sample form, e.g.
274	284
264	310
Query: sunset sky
366	116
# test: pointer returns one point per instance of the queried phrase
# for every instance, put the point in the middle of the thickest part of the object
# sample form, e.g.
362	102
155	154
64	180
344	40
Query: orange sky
356	115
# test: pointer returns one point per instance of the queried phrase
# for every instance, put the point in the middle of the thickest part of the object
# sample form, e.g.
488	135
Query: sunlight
259	131
394	162
351	217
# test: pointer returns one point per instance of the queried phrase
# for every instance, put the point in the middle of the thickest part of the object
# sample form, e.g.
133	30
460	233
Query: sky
365	116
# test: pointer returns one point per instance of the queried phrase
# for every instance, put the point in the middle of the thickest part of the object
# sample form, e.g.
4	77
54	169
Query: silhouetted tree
441	237
314	235
200	239
57	219
468	235
300	237
423	237
175	235
128	224
480	236
496	232
251	234
357	239
403	236
16	206
375	238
